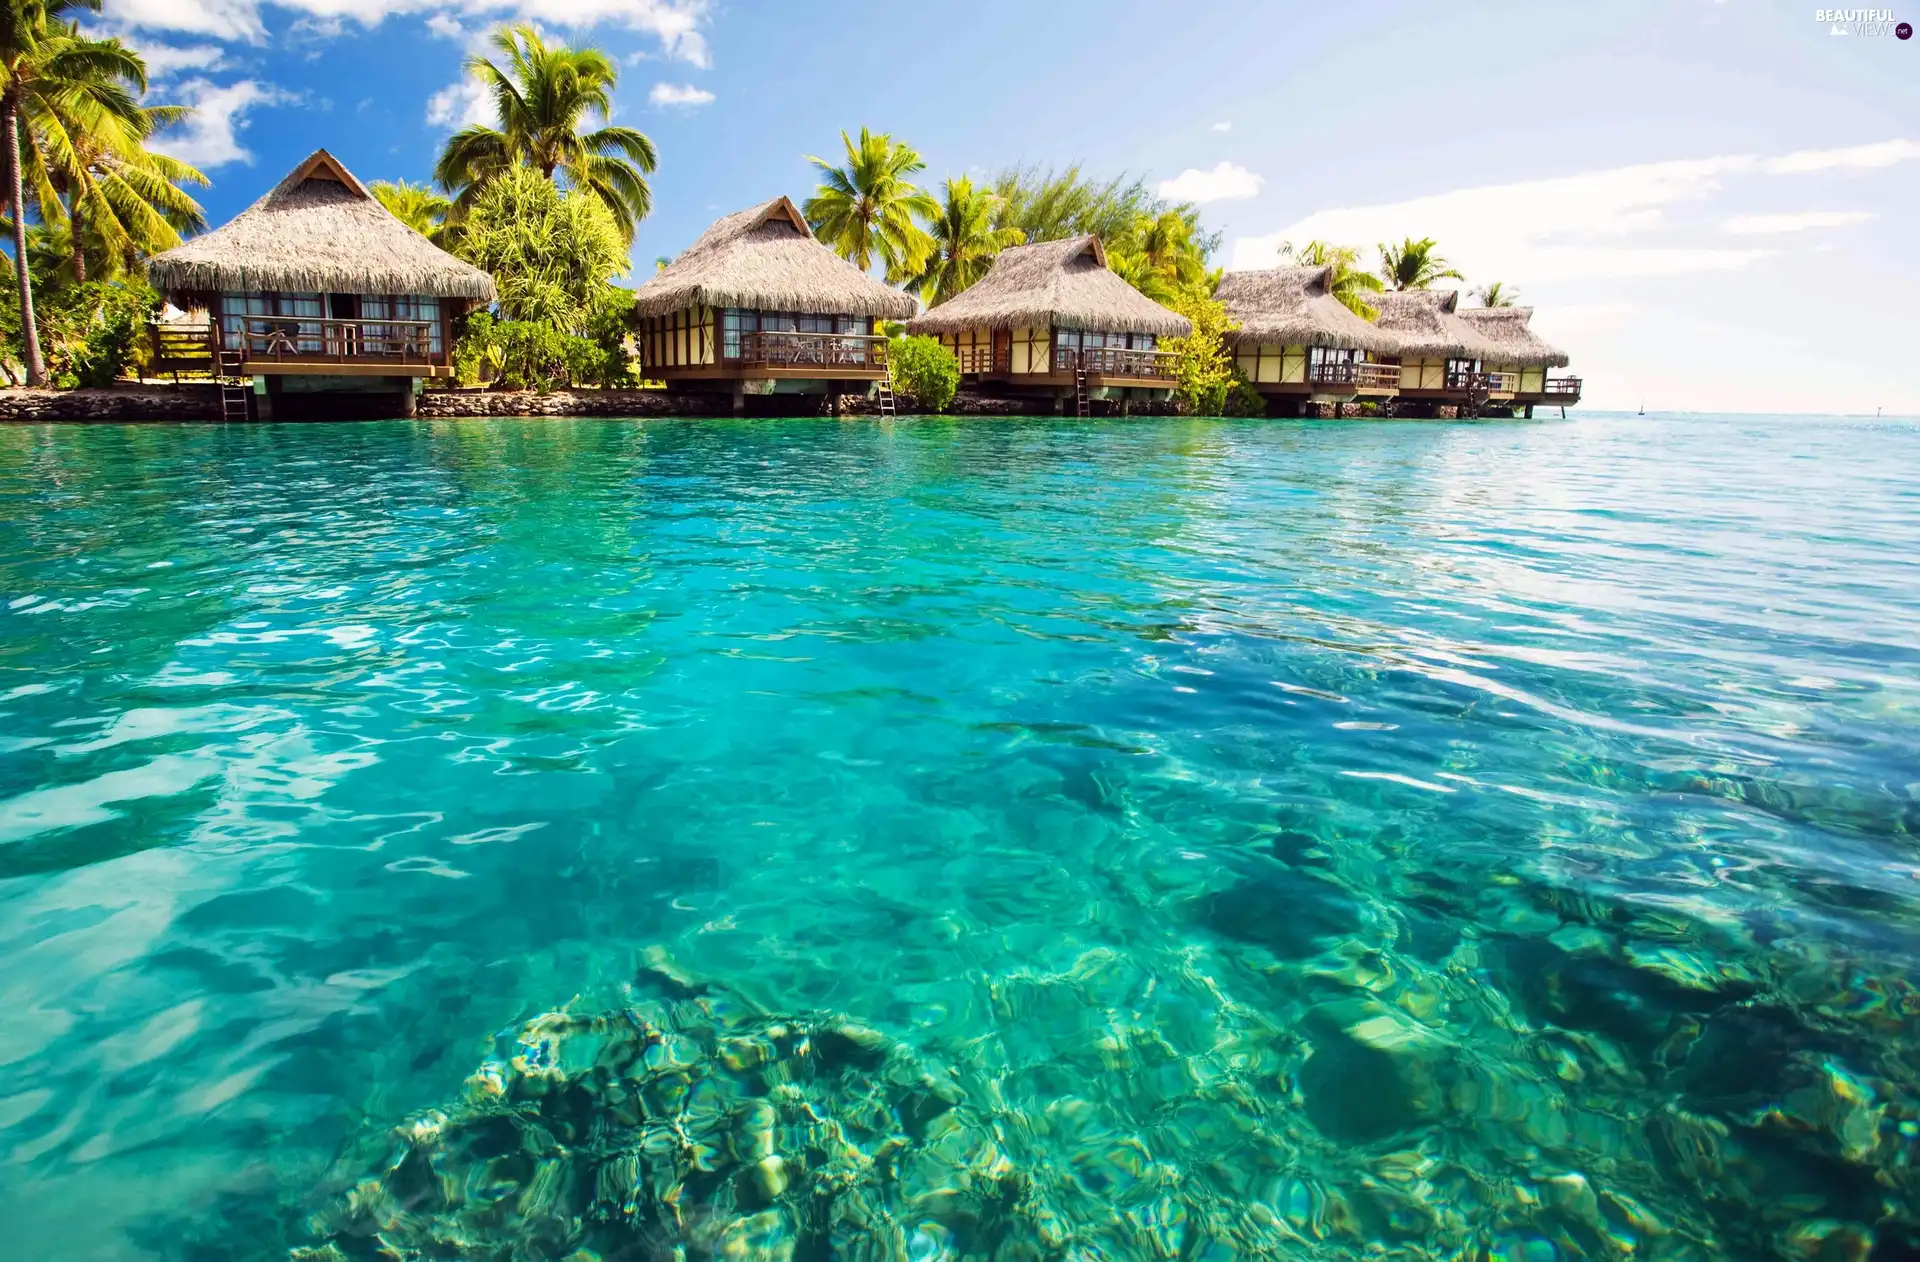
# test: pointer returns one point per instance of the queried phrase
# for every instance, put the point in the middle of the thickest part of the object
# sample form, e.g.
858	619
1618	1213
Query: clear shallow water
1304	840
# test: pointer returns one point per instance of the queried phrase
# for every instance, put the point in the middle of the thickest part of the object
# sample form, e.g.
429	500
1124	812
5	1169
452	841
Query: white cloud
1225	182
1570	227
221	19
685	95
164	59
677	24
1759	225
210	137
1221	126
445	27
462	104
1859	157
1563	228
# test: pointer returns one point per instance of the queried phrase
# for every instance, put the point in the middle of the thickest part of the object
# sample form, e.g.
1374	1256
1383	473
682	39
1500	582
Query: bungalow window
382	339
734	322
263	322
1331	355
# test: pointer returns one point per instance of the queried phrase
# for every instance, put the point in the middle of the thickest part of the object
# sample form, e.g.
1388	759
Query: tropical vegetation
552	253
866	209
924	371
1414	264
1348	282
1157	246
419	206
553	104
1205	375
965	240
75	132
1496	294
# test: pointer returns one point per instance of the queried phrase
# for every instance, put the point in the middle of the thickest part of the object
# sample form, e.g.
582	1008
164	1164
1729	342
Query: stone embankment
200	401
119	404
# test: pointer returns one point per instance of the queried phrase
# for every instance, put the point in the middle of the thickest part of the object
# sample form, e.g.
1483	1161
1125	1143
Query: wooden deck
288	345
790	356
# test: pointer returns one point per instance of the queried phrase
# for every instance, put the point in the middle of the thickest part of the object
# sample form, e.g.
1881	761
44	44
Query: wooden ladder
1082	406
233	389
886	396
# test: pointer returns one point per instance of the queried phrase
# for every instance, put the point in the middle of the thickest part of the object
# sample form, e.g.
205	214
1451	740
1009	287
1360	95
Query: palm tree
868	206
1414	264
544	97
86	153
1348	282
1496	295
964	241
31	65
415	205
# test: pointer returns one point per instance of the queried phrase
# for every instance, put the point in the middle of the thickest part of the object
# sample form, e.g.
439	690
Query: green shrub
1243	399
92	334
1204	371
924	370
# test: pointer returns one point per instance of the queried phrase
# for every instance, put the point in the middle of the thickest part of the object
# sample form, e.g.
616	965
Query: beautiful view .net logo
1862	22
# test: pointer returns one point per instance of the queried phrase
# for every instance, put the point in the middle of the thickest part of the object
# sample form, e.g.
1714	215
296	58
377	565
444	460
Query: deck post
1529	411
739	398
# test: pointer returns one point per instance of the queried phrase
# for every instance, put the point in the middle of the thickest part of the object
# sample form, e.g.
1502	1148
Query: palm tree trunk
79	247
17	202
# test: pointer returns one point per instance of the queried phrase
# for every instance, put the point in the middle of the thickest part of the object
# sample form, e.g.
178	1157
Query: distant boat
1643	407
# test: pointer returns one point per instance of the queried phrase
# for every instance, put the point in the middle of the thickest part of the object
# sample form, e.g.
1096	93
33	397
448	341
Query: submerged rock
668	1130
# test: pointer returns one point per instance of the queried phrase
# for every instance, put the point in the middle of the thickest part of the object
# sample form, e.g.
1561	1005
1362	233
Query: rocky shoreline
200	401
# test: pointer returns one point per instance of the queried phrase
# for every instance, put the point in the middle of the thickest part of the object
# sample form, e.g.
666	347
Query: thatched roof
1292	306
1520	346
1424	323
318	231
766	257
1061	283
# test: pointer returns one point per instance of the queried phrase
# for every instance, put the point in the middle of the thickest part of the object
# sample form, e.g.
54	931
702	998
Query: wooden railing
1489	382
813	350
298	340
1358	374
181	345
1377	376
984	359
1565	386
1114	361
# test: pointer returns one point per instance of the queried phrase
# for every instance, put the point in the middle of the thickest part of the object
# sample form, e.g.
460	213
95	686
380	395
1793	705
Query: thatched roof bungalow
1442	357
757	305
318	281
1296	339
1053	317
1523	356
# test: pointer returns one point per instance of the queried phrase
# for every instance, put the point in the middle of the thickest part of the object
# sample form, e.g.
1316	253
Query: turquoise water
1147	839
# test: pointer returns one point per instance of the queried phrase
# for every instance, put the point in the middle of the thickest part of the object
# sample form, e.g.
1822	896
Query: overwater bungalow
757	306
1443	359
1051	320
1298	345
1524	357
317	302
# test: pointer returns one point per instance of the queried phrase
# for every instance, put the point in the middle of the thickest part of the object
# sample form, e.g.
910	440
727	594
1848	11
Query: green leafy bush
93	334
924	370
1204	371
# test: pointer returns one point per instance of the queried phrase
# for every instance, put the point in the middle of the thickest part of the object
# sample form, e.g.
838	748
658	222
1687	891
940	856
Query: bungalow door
341	333
1003	350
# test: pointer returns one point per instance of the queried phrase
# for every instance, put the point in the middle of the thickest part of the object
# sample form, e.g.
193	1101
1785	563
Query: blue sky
1709	204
